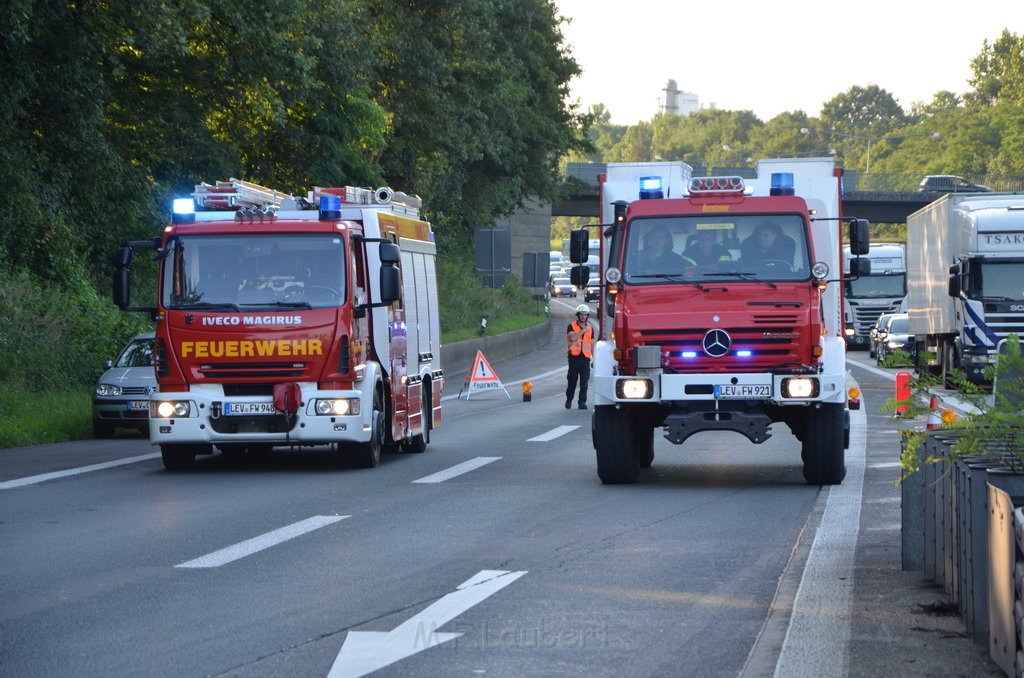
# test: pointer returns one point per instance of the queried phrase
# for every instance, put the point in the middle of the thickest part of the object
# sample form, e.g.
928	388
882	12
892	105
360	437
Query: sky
773	57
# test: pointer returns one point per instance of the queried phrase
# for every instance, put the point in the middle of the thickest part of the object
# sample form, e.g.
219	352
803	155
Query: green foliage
31	417
465	302
994	428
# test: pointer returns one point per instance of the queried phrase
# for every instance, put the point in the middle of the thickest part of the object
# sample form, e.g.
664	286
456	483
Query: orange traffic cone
934	417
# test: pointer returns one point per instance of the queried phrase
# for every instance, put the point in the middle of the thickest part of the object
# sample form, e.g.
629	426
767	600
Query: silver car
121	396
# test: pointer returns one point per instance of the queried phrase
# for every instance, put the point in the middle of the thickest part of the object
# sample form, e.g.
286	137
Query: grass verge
29	417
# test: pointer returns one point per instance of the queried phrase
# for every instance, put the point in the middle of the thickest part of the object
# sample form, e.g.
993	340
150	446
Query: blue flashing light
744	353
650	188
183	211
688	354
782	183
330	207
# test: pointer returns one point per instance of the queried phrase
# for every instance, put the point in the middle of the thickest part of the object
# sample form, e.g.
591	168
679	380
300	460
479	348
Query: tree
998	72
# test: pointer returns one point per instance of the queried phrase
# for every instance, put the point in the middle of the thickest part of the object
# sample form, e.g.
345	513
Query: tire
367	455
178	457
823	452
948	364
643	444
418	443
101	429
613	443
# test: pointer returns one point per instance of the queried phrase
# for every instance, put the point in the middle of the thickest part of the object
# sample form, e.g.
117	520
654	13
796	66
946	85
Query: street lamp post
871	140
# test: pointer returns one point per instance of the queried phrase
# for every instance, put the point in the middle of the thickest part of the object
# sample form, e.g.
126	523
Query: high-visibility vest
584	344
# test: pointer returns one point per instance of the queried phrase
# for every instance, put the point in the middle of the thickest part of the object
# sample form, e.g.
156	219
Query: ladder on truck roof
235	193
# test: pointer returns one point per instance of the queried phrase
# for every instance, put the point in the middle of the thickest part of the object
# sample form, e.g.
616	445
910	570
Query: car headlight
108	390
894	344
336	407
634	389
168	409
800	387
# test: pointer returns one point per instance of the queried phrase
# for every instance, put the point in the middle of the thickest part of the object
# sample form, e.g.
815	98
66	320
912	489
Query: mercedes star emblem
716	343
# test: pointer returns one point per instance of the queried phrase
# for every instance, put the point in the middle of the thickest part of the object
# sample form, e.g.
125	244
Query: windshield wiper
670	276
281	304
748	276
207	306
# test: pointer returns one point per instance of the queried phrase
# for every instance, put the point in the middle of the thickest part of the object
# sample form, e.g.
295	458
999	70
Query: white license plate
138	405
751	391
243	409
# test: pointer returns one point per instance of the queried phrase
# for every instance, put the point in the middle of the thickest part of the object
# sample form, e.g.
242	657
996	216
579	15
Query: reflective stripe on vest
585	344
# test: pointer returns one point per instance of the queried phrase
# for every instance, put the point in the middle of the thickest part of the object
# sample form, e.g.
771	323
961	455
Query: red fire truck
721	311
292	321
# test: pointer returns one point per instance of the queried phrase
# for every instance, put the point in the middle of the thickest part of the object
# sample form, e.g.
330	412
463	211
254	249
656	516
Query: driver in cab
657	255
767	245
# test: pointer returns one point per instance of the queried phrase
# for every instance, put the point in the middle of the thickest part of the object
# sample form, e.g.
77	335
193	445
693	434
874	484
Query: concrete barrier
457	358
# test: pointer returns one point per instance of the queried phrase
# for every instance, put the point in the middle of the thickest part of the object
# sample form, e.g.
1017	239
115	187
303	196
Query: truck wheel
823	453
367	455
418	443
948	364
643	443
178	457
613	443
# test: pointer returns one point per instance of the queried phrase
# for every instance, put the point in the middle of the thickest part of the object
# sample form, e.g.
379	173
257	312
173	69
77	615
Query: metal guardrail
853	180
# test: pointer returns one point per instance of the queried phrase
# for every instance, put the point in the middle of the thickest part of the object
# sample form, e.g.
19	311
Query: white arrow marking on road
552	434
264	541
457	470
364	652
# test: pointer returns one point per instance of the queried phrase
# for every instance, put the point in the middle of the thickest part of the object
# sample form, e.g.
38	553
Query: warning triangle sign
481	378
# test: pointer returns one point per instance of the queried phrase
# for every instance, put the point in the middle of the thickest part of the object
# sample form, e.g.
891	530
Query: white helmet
583	308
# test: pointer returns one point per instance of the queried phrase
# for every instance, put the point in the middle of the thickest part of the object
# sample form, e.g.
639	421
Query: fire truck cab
721	311
288	321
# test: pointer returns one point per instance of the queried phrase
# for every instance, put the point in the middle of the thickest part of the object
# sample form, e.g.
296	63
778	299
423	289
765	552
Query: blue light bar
745	353
650	188
183	211
688	354
330	207
782	183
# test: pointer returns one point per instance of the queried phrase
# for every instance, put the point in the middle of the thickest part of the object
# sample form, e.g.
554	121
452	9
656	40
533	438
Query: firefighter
580	335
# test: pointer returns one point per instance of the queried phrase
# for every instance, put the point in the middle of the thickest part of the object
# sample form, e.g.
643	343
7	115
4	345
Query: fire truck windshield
756	247
226	272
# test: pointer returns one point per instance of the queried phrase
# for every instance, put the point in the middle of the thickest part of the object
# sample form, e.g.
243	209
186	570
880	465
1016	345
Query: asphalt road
496	552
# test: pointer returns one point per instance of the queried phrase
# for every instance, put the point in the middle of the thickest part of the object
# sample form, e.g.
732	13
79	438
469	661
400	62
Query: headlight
108	390
339	407
634	389
166	409
799	387
894	344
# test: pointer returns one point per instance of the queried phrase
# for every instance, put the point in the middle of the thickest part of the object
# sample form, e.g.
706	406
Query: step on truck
735	325
285	322
965	264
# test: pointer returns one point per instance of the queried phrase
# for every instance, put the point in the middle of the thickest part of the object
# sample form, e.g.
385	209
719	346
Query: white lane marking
886	464
264	541
364	652
817	640
552	434
457	470
43	477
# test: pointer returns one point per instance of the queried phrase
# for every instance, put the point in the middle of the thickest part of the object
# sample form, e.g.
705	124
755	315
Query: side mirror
955	286
390	253
389	284
859	236
579	276
122	278
860	266
579	246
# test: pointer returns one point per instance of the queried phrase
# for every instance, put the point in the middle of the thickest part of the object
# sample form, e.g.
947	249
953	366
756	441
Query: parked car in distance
877	333
121	396
592	291
948	183
560	286
897	338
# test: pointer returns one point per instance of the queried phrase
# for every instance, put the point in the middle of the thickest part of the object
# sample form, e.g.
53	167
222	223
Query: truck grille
261	424
774	341
273	371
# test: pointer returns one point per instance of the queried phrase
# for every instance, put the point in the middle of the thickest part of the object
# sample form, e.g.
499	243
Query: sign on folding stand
481	378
